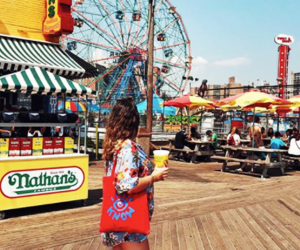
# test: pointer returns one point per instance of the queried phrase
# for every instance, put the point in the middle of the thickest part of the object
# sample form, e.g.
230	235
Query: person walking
128	202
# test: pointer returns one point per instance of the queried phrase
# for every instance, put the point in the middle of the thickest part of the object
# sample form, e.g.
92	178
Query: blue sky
236	37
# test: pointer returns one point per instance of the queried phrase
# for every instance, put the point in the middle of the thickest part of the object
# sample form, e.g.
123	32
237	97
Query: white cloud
233	62
198	66
199	62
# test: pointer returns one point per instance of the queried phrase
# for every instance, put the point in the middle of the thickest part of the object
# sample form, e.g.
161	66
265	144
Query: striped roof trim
18	54
39	81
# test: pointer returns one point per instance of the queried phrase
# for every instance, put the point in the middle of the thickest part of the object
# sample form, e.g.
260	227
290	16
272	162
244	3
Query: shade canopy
189	101
72	106
19	54
39	81
252	99
157	108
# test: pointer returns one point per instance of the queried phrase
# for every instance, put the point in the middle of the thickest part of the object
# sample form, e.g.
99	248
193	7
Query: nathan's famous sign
58	18
24	183
42	20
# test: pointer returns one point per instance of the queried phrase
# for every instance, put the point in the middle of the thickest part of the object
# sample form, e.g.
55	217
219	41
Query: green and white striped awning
17	54
39	81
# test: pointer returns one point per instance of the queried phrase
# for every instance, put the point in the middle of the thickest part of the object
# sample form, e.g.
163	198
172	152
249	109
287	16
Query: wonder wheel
114	34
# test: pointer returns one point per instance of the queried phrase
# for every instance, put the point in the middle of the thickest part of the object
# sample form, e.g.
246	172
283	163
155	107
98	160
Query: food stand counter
38	180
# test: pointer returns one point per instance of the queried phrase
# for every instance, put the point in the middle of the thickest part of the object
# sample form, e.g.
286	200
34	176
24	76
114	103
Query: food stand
46	175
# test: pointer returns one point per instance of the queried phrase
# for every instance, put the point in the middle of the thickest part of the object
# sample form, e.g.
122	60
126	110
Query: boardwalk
198	207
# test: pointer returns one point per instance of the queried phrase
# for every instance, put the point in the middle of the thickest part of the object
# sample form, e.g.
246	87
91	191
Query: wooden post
97	141
145	135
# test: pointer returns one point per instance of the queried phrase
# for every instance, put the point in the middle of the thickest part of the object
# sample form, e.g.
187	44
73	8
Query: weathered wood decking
198	207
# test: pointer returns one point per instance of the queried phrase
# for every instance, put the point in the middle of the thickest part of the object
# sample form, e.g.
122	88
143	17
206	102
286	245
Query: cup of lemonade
161	158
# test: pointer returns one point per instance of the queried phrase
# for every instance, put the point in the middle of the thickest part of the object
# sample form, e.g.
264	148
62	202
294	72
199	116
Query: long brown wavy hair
123	123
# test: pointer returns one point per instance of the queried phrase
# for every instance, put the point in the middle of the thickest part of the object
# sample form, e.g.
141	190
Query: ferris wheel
114	34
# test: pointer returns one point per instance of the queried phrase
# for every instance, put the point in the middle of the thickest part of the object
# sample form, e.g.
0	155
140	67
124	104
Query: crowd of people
255	135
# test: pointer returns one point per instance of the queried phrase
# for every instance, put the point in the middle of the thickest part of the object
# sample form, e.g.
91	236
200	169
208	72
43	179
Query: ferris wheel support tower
283	62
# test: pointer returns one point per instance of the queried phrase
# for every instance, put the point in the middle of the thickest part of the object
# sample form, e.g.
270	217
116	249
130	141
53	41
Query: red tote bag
124	212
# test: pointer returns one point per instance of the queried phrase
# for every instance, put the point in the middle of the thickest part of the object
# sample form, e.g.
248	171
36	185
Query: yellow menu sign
69	145
4	148
37	146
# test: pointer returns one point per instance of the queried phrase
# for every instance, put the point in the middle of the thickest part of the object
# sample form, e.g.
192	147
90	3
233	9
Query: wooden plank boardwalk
197	207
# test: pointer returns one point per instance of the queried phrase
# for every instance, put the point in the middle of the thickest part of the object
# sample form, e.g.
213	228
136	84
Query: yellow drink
161	158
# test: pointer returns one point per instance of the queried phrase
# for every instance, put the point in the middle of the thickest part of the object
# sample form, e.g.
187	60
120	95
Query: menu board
69	145
3	148
37	146
48	146
58	145
14	147
26	146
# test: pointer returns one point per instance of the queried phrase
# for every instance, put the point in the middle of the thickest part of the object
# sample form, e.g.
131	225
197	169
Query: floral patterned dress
132	163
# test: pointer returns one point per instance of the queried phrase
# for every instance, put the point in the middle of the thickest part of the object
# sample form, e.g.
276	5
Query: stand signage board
31	181
58	145
14	147
48	146
69	145
26	146
3	148
37	146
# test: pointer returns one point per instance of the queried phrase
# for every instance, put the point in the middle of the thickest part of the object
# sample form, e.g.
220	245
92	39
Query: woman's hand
159	174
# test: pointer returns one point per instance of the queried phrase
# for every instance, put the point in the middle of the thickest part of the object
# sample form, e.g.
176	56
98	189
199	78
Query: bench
266	165
223	158
292	159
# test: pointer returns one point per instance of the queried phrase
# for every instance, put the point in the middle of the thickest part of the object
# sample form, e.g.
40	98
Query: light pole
190	78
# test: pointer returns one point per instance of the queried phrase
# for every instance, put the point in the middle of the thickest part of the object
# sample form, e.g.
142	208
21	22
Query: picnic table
233	155
202	148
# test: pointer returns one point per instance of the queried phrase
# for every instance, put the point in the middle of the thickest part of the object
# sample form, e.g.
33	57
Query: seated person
270	133
180	138
258	142
213	138
295	133
294	149
181	143
193	136
233	137
263	133
33	133
289	134
194	133
277	143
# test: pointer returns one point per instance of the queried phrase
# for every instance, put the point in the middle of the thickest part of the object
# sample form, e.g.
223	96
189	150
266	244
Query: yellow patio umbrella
190	102
252	99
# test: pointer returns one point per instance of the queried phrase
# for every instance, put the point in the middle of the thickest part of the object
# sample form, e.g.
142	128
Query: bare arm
159	174
5	131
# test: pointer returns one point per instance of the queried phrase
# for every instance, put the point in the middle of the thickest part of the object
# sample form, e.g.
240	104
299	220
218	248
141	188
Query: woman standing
134	172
